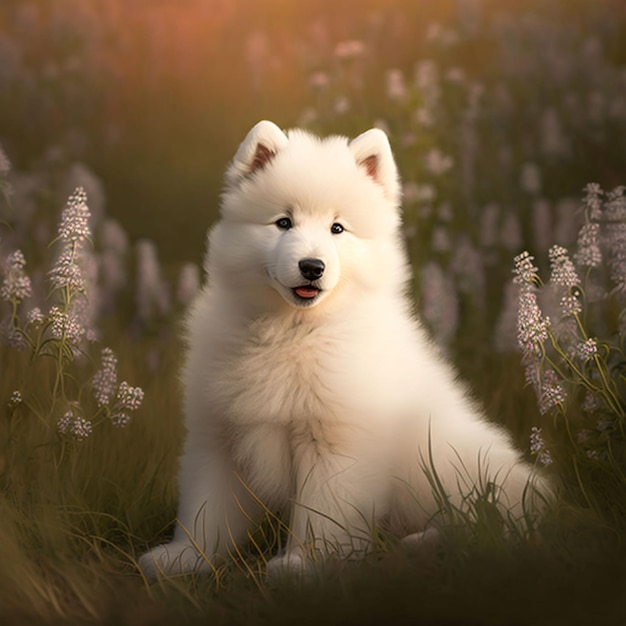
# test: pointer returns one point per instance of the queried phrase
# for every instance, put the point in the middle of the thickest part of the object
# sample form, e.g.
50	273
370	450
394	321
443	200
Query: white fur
327	408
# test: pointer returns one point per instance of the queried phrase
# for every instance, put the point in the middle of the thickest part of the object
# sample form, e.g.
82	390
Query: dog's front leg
332	514
215	511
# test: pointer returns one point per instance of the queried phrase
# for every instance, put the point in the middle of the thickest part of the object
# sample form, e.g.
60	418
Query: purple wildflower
105	380
552	394
66	271
592	200
16	285
74	426
587	350
120	420
65	325
538	446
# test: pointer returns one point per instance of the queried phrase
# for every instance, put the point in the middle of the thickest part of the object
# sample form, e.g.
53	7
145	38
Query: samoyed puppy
310	386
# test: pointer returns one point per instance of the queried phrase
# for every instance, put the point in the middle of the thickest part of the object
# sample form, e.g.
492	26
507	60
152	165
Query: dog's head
305	217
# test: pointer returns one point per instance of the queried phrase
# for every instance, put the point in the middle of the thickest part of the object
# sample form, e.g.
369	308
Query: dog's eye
284	223
336	229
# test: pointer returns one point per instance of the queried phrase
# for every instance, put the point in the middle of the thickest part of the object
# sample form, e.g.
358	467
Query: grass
75	515
73	521
74	512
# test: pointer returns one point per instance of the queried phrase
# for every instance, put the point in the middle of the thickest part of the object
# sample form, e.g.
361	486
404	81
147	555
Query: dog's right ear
256	151
372	153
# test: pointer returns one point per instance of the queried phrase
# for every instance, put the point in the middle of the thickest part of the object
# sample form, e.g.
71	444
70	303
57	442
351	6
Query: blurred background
155	95
499	113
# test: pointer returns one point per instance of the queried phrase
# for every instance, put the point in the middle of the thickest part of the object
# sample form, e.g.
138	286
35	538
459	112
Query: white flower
525	270
65	326
129	397
74	225
570	303
35	317
15	399
563	270
532	327
588	253
66	271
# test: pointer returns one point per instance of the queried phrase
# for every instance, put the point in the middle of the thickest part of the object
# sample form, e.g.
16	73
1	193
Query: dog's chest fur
283	373
280	398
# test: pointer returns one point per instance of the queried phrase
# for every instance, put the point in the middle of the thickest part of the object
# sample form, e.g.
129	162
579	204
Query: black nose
311	269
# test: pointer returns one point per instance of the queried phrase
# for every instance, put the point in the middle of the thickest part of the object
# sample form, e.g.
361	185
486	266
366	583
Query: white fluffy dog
310	387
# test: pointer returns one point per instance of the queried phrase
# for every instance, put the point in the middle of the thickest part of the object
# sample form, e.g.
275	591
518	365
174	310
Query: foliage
574	357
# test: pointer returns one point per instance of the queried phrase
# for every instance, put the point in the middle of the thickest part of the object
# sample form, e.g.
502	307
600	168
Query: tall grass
490	169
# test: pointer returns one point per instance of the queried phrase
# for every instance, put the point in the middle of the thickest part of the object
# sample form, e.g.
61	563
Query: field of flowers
117	118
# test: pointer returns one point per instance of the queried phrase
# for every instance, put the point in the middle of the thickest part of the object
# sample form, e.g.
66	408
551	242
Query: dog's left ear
259	147
372	152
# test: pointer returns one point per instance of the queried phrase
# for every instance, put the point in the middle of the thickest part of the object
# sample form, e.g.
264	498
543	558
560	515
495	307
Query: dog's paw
289	564
170	559
425	541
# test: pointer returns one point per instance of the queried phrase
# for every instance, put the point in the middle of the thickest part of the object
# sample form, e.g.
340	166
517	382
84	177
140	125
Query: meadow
117	119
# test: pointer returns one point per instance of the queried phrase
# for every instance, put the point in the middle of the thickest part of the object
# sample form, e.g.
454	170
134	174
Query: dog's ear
372	152
256	151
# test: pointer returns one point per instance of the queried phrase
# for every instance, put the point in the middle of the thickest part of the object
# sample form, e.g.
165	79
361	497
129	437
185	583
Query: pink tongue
306	292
